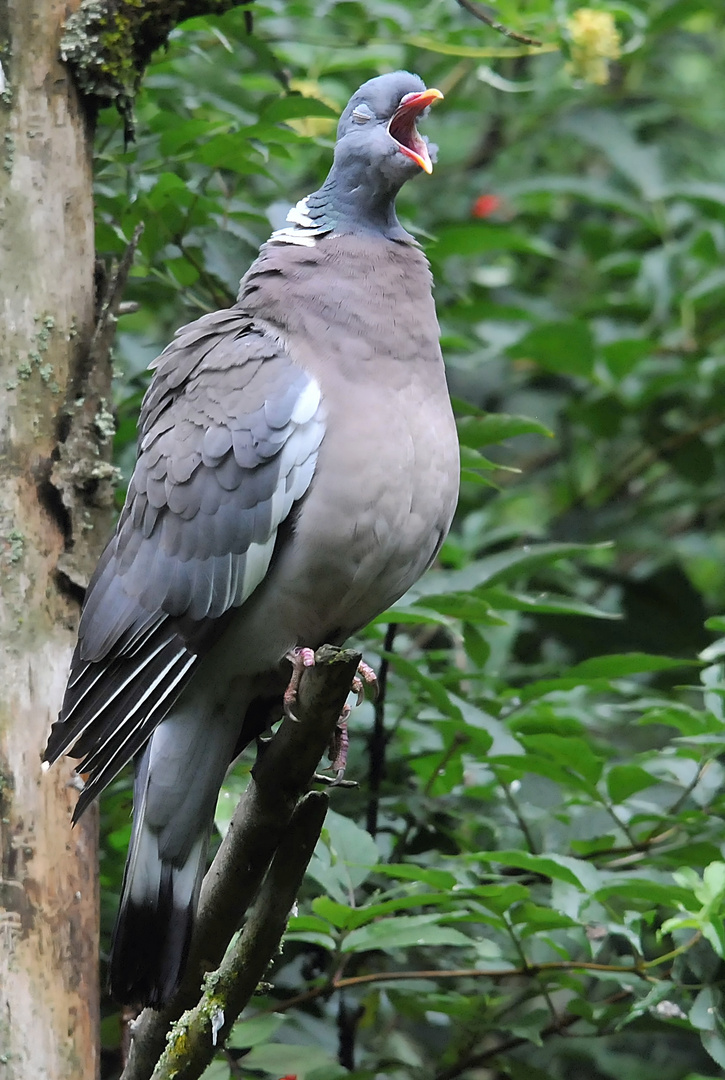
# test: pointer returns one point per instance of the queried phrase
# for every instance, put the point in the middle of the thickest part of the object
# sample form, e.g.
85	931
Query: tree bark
48	506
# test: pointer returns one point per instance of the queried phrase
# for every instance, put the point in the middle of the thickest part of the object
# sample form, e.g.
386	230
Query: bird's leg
340	740
365	677
339	744
300	659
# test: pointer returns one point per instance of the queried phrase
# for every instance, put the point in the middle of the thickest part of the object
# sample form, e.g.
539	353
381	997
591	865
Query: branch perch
194	1040
259	828
488	16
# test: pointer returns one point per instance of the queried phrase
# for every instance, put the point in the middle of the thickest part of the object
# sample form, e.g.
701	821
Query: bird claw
365	677
339	744
299	658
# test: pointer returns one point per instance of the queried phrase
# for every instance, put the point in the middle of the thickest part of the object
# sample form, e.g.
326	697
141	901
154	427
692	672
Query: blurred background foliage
529	881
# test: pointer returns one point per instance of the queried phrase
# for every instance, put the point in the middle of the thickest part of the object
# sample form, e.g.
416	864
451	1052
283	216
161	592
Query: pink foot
339	744
299	659
365	677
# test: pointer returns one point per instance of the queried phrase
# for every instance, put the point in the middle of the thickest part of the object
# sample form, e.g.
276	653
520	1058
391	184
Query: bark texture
108	43
48	874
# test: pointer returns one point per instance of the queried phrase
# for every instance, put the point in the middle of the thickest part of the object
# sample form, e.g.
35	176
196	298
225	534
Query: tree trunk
53	486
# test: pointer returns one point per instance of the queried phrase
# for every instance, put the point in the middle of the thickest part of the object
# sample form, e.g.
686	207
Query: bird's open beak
402	126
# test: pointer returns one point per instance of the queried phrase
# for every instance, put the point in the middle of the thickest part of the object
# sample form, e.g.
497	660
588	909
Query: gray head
378	148
378	126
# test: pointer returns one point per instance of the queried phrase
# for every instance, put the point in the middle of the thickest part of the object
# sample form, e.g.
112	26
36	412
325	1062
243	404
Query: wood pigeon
297	472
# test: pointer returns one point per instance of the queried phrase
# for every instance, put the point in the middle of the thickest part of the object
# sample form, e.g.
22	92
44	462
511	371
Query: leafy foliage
539	891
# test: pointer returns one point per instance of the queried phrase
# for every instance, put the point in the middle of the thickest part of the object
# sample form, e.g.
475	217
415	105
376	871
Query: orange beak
402	126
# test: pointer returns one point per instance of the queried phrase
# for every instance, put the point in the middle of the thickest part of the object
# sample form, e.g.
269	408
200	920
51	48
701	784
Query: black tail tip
149	952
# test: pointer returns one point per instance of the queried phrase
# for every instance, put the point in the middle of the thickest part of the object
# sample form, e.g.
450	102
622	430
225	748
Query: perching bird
297	471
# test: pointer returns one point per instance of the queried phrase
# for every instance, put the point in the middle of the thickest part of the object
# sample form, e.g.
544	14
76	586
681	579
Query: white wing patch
297	462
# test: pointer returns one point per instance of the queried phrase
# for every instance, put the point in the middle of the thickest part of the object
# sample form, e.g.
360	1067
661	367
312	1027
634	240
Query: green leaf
364	915
231	152
714	1044
255	1030
638	162
331	911
620	665
517	767
471	459
432	687
587	189
544	603
461	605
476	238
652	892
626	780
437	879
712	891
512	564
565	348
280	1058
575	755
343	857
714	932
532	918
575	872
296	106
478	431
623	356
473	52
530	1024
218	1070
403	932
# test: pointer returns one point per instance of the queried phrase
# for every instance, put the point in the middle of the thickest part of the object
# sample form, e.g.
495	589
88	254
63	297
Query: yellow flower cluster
594	40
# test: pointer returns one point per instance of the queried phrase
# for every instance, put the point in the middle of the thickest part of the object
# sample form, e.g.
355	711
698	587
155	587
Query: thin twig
459	739
522	822
488	16
556	1028
331	986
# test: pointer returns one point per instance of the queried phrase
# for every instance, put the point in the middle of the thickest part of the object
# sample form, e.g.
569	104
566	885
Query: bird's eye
361	114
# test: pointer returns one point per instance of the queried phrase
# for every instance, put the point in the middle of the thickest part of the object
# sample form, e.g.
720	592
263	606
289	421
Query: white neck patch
302	230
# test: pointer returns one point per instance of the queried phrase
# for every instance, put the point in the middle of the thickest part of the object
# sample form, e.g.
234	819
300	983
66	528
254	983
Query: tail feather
178	776
155	921
158	903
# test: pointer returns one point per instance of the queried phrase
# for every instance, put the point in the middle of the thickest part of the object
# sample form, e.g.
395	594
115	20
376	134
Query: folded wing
229	434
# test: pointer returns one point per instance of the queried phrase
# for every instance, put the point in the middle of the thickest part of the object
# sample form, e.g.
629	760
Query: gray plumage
297	471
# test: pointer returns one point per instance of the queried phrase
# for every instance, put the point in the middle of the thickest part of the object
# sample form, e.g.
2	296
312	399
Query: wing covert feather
229	433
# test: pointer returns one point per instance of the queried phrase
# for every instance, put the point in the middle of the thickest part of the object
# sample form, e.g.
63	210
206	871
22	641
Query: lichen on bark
108	44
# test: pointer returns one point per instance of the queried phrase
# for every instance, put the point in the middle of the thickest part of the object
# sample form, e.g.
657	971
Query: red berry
485	205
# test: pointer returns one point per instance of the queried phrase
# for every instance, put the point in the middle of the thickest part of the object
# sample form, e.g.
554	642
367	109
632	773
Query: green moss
6	90
109	42
104	421
34	358
42	336
15	542
9	157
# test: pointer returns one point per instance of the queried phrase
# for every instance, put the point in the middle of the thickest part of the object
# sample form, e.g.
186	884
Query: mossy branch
259	832
108	43
194	1039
